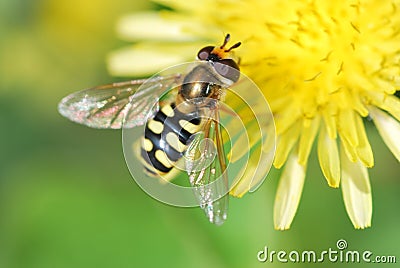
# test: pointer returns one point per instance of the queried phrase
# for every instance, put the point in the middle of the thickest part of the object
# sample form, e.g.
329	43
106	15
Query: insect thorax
201	82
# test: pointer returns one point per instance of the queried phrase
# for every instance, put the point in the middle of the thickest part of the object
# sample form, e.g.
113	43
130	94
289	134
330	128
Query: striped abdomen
166	138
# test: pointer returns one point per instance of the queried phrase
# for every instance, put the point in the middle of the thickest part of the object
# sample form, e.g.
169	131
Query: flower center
321	55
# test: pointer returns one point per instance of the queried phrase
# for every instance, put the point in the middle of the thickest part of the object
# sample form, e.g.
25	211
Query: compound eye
204	52
228	69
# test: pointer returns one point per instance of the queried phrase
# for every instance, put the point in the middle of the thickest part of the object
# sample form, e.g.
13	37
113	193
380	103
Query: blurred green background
68	200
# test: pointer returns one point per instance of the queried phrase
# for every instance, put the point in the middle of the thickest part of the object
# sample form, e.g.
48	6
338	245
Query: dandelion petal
136	27
388	128
307	139
330	122
386	102
328	156
356	192
286	142
146	60
364	150
289	192
348	127
350	150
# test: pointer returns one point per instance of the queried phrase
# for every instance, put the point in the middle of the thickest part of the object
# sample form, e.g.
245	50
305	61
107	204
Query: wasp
172	126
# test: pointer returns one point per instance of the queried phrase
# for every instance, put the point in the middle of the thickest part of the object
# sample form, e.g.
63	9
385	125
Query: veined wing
206	167
109	105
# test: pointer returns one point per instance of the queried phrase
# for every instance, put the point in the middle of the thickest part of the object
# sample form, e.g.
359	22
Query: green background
68	200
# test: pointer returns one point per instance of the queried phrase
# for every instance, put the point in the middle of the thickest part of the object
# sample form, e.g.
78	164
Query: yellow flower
322	65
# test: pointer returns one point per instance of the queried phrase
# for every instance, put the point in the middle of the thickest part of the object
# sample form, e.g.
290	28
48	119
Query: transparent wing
206	167
109	105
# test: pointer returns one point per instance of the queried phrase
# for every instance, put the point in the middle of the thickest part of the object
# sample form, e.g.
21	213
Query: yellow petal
359	106
265	158
286	141
392	105
147	59
155	26
259	136
330	122
307	139
243	185
285	119
386	102
363	149
388	128
328	156
252	174
356	192
249	137
289	192
347	126
351	152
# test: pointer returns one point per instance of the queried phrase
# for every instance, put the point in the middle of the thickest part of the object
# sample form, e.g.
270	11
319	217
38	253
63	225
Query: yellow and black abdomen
166	138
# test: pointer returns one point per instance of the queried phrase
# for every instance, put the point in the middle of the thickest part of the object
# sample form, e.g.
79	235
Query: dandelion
322	65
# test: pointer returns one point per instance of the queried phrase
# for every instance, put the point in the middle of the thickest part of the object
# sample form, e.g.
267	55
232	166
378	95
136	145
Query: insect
175	128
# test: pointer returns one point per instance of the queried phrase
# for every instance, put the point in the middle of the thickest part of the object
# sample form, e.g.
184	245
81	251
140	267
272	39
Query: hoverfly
172	126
